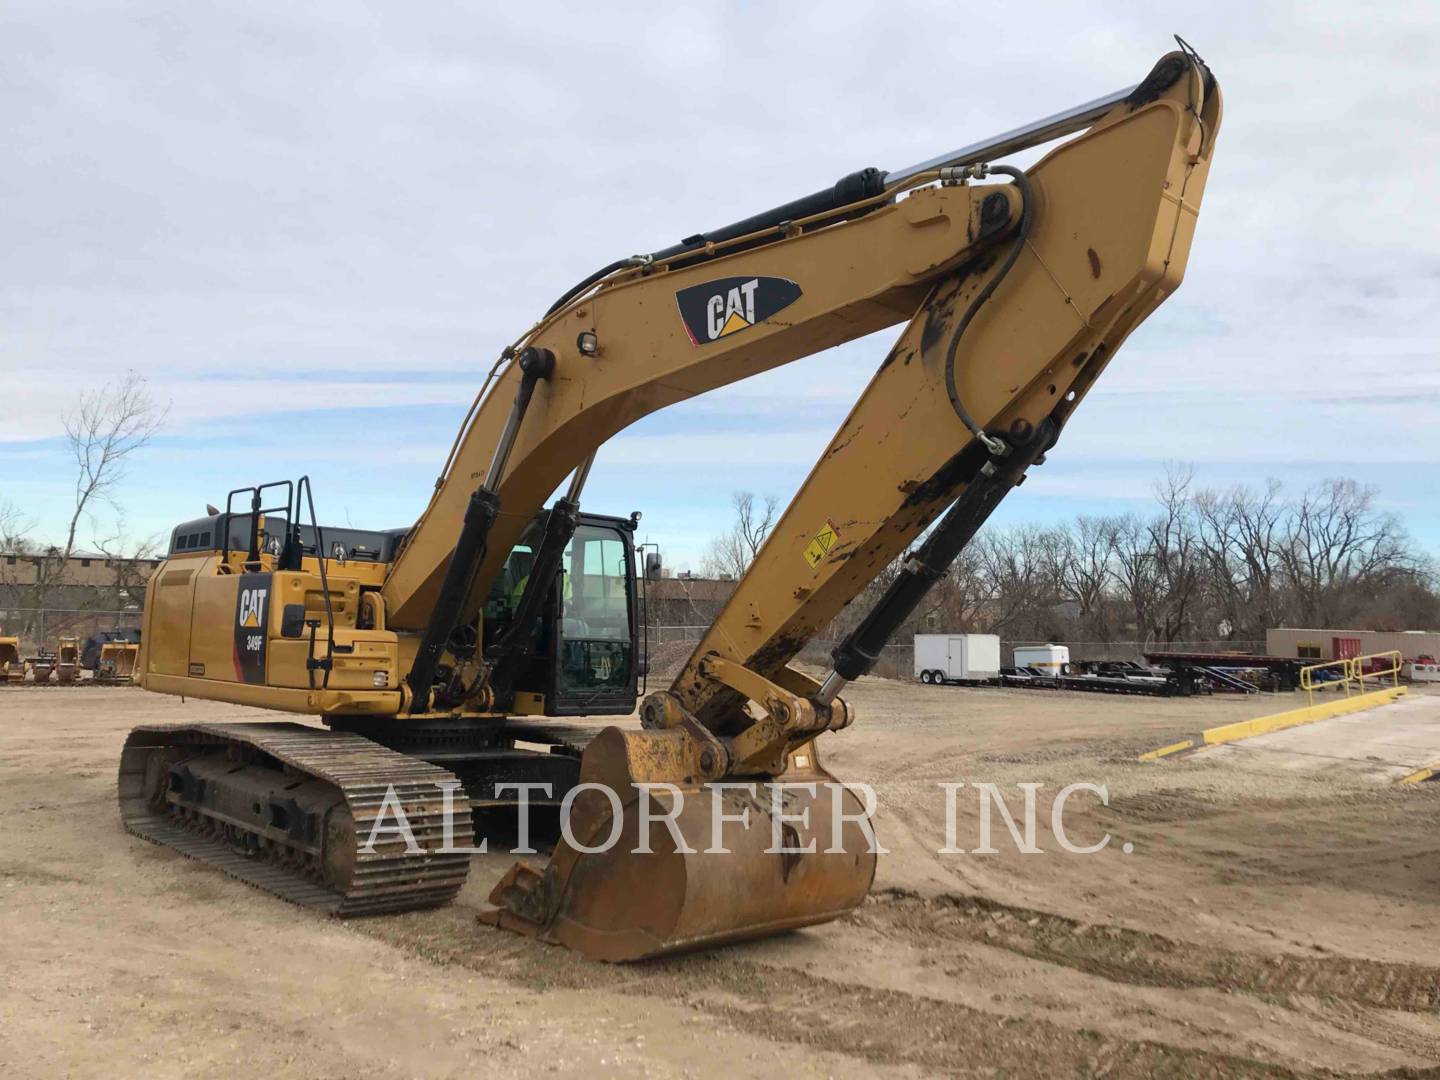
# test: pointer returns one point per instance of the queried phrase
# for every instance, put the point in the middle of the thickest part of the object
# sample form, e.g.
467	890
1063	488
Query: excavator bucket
12	667
67	656
117	662
653	879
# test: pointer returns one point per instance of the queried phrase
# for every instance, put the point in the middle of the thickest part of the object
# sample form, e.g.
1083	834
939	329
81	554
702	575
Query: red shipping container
1345	648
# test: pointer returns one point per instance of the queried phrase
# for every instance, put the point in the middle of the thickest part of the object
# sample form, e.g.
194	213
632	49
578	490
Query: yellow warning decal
820	544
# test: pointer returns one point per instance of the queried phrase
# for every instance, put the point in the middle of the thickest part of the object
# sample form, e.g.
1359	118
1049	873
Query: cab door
595	671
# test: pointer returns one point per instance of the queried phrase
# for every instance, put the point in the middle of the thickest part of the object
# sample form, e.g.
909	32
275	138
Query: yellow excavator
446	661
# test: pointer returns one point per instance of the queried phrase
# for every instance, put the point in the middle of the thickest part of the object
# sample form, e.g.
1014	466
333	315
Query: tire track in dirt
1137	957
1365	1022
876	1026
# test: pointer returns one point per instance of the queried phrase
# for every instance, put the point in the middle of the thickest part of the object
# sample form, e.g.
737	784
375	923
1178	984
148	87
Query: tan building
82	569
1338	644
40	598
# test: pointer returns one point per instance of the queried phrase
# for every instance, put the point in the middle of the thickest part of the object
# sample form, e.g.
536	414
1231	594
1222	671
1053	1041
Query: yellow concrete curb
1419	776
1244	729
1173	748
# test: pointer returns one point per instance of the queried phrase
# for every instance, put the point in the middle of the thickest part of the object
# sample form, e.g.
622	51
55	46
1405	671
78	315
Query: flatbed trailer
1170	685
1285	669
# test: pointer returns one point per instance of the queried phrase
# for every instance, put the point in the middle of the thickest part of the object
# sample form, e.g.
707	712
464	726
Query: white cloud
222	196
35	413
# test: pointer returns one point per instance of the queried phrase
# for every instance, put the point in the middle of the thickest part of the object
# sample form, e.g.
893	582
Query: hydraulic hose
603	272
856	187
1027	221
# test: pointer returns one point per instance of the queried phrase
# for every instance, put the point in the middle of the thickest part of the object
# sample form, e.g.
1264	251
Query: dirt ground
1264	922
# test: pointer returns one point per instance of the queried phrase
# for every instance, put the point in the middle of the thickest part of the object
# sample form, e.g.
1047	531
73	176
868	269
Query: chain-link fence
669	646
37	628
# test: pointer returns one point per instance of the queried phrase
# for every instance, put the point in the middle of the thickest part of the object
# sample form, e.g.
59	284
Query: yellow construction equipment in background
60	664
117	662
67	658
12	667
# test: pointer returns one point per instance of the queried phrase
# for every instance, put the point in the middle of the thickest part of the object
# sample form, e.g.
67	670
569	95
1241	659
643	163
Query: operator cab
585	660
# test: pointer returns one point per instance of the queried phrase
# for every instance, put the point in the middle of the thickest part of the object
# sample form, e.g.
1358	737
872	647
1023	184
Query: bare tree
731	553
125	559
1411	601
1339	548
14	543
1175	550
1137	579
1014	565
1204	565
15	529
1083	574
1239	532
108	425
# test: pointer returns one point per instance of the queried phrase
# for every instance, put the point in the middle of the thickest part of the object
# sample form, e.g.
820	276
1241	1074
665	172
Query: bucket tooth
671	893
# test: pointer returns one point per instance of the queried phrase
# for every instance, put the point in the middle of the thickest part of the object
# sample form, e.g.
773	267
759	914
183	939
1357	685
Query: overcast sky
312	227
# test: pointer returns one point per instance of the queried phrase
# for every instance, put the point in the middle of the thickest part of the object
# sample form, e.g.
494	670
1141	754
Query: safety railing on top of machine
289	550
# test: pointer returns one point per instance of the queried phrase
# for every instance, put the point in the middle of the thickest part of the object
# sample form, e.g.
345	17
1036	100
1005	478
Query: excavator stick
675	870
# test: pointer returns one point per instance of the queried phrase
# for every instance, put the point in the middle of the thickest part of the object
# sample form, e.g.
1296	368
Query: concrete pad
1383	744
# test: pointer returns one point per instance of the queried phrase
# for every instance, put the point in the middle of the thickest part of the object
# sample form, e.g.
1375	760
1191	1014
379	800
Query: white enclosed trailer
1051	659
943	658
